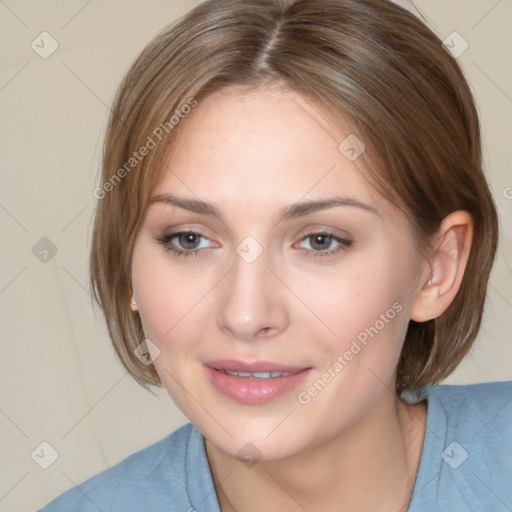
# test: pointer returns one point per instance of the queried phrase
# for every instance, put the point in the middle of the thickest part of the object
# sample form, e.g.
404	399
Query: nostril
265	332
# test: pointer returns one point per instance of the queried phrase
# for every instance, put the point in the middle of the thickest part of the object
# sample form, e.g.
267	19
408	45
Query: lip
254	391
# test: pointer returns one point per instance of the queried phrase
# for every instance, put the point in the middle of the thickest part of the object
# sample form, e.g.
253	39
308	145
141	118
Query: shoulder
151	479
476	416
466	464
481	391
487	405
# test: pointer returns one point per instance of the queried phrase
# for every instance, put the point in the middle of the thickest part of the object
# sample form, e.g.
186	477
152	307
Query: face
273	280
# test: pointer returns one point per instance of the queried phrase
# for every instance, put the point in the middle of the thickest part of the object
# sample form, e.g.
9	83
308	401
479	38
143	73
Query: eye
323	244
185	243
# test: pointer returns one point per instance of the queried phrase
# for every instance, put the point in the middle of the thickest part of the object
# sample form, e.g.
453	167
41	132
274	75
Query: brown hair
370	61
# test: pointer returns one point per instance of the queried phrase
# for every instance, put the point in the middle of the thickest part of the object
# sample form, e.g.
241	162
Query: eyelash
166	240
344	244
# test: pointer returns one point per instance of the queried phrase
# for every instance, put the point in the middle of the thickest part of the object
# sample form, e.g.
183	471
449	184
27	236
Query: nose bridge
250	306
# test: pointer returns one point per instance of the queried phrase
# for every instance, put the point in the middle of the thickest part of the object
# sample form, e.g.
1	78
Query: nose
252	304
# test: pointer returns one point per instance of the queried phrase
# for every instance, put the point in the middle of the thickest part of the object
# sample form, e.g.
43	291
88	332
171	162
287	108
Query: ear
445	268
133	304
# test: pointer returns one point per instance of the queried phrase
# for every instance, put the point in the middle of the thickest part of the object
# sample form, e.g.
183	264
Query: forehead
261	147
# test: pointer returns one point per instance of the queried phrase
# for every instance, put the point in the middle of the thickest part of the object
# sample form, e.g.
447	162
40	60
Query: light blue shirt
466	463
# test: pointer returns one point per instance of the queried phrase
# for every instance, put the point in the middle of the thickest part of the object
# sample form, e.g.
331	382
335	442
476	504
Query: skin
251	154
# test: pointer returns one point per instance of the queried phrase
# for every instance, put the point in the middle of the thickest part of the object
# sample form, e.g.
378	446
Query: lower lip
249	390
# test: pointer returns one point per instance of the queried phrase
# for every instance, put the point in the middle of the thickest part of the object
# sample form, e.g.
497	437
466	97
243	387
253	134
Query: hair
370	62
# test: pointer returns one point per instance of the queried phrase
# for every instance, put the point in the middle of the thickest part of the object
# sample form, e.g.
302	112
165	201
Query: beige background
61	382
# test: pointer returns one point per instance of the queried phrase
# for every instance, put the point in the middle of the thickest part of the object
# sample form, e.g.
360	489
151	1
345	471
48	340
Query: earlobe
133	304
447	265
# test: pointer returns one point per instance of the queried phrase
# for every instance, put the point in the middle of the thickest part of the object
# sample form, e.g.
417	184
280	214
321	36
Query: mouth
256	382
258	375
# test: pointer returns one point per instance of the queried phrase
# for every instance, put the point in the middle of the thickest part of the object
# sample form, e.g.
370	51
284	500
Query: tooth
257	375
262	375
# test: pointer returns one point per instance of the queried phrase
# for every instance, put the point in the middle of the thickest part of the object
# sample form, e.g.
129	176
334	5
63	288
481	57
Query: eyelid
343	244
173	229
166	238
336	238
322	229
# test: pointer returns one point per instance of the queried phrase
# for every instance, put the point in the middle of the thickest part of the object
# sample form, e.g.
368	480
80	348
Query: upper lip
253	367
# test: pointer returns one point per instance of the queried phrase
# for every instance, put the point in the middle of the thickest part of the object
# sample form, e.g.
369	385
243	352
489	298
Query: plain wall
61	382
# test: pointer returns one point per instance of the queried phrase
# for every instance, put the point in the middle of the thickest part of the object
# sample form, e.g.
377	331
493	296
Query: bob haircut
368	62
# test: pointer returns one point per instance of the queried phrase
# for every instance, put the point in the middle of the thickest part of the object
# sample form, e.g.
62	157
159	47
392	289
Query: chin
266	439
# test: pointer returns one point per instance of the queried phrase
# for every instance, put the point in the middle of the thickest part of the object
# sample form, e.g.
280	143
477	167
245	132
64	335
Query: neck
371	466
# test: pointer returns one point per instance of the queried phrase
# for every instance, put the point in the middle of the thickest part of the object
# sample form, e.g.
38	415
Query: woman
294	236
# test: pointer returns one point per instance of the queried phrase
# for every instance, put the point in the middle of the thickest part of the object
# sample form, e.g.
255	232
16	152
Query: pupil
188	240
321	242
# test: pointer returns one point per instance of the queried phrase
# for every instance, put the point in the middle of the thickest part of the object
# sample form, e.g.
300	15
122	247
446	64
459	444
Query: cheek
356	362
344	303
359	323
168	298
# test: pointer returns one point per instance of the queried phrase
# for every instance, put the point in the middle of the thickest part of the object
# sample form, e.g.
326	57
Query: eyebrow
192	205
299	209
307	207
